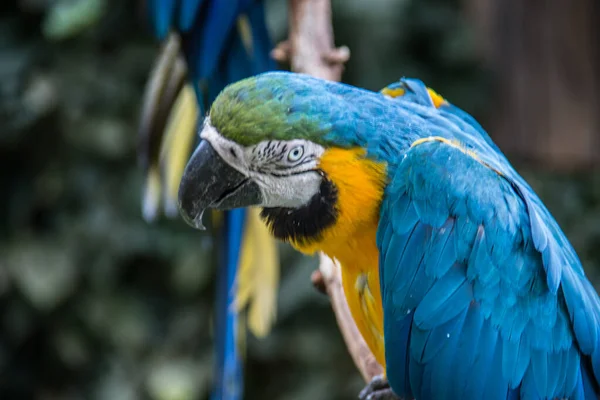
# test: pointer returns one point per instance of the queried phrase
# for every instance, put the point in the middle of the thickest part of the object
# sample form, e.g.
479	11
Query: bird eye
295	154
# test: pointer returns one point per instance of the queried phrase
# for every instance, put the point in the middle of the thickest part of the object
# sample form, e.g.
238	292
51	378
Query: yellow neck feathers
360	183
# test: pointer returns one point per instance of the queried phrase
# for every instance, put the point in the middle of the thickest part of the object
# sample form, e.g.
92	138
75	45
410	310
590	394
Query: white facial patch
285	170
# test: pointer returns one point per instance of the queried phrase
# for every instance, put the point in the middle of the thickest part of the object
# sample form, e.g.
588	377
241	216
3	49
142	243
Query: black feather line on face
304	224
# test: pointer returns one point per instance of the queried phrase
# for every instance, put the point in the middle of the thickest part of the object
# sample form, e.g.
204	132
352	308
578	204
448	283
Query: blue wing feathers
395	251
573	368
590	384
529	317
412	291
441	253
418	374
410	246
404	215
448	297
583	318
399	332
468	343
497	384
515	360
441	380
437	339
539	364
484	353
555	370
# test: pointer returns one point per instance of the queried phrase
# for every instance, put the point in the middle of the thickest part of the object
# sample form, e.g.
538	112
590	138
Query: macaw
457	276
210	43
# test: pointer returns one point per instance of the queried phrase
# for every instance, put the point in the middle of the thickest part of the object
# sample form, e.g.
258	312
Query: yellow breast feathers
351	239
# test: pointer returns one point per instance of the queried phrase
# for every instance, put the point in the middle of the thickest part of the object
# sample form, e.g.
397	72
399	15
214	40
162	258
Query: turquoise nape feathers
480	294
210	44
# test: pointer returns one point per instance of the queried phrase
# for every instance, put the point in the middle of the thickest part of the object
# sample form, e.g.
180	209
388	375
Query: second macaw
208	45
459	279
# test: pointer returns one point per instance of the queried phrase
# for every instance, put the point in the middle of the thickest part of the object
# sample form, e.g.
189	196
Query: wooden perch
310	49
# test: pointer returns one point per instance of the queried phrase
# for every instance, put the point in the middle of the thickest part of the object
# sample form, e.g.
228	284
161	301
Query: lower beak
210	182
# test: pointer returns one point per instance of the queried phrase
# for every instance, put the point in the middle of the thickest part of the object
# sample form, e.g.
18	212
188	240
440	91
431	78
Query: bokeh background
97	304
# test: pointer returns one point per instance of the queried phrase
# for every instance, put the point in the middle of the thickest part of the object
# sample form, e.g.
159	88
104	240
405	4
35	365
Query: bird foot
378	389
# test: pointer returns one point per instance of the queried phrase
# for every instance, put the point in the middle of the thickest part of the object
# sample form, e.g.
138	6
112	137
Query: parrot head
273	141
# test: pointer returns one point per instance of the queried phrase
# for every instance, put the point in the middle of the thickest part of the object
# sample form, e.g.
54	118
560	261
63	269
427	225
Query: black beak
209	182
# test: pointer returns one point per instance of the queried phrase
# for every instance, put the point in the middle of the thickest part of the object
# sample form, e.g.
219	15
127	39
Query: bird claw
378	389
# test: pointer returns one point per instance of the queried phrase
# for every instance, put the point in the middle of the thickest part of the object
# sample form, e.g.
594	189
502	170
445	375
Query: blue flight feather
161	16
188	10
398	246
228	380
441	254
480	375
261	44
447	358
469	349
404	215
399	332
206	44
515	360
438	338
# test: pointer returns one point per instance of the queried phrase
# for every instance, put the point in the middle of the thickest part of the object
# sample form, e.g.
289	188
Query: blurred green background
97	304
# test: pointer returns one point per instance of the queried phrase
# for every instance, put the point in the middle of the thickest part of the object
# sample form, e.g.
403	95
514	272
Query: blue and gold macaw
209	44
456	274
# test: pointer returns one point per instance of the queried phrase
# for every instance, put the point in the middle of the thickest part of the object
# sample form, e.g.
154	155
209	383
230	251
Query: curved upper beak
208	181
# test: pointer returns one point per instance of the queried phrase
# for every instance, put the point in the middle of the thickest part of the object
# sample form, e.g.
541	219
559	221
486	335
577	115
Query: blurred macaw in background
208	45
458	277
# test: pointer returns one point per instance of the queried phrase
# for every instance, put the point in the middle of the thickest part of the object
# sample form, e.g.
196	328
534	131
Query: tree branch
357	347
310	49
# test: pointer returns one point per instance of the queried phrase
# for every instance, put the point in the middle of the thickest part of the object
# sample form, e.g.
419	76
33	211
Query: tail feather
260	50
188	10
258	276
177	145
161	16
228	369
205	43
162	91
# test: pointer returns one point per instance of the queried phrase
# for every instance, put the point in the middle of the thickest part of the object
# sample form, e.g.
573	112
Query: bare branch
311	40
